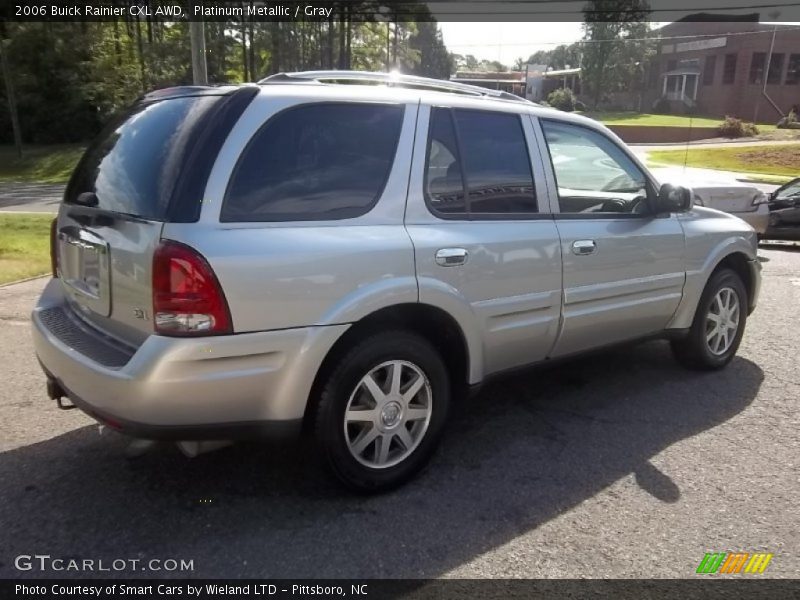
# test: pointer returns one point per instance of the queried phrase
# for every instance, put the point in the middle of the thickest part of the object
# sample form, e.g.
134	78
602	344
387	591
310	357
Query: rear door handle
583	247
451	257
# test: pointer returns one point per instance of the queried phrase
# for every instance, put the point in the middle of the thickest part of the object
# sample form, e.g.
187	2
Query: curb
4	285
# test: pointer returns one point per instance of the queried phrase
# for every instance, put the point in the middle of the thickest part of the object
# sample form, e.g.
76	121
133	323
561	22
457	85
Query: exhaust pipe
193	449
57	393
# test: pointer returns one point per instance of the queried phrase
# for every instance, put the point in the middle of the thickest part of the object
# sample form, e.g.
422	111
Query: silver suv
354	252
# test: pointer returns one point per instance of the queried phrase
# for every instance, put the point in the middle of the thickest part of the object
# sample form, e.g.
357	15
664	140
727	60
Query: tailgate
126	186
105	268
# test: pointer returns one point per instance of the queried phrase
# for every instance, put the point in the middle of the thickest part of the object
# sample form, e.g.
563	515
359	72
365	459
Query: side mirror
673	198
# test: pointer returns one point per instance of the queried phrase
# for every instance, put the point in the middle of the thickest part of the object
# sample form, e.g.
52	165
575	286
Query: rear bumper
220	387
757	219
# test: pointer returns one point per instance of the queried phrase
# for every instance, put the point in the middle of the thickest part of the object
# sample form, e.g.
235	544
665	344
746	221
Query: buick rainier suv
348	254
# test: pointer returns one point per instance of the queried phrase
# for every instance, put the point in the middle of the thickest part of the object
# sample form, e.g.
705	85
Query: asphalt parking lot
617	465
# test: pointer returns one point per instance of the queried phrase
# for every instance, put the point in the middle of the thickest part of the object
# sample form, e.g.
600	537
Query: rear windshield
134	164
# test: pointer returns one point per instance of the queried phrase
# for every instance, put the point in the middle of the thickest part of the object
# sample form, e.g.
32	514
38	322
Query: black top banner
400	10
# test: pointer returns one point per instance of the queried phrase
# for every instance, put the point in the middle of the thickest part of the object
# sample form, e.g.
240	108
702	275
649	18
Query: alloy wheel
722	321
388	414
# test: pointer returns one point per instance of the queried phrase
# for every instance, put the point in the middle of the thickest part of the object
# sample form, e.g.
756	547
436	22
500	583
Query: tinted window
496	162
490	148
315	162
444	184
793	70
757	67
593	174
133	166
775	69
708	70
729	73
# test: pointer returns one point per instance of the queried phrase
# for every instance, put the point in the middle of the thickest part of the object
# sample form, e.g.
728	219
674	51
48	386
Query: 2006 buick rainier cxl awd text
352	251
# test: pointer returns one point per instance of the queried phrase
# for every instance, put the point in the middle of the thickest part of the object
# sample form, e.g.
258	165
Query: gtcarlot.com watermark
47	563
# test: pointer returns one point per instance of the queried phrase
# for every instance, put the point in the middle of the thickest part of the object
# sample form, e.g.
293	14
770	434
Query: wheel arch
739	263
432	323
736	255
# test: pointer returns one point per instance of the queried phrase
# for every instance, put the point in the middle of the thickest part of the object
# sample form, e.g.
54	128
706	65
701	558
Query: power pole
11	98
197	35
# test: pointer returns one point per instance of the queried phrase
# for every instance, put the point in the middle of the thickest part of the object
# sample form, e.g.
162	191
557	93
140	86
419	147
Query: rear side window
478	165
315	162
135	163
445	185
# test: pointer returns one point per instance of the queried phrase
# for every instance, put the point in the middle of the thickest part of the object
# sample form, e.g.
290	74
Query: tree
69	78
565	56
434	60
540	57
610	53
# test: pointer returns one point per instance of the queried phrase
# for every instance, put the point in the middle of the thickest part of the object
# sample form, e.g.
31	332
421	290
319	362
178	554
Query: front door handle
583	247
451	257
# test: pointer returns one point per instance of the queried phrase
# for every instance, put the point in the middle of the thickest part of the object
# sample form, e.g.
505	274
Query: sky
507	41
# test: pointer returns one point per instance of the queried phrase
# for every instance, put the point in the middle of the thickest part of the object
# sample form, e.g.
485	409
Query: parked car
784	213
728	195
245	261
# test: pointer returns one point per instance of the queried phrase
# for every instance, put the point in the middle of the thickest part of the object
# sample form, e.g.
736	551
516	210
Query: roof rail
391	79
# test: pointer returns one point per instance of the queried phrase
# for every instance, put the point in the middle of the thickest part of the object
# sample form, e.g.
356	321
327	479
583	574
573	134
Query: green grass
41	164
782	160
24	246
650	120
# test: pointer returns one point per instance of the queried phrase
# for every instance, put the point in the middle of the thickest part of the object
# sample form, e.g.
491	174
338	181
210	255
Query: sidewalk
30	197
715	143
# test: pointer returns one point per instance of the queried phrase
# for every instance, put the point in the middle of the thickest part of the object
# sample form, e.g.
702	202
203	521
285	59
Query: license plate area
84	269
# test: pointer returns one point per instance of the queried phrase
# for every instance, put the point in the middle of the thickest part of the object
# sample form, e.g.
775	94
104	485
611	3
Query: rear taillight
187	298
54	247
760	198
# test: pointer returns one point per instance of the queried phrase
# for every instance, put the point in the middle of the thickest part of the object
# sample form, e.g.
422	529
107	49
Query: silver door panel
511	278
629	287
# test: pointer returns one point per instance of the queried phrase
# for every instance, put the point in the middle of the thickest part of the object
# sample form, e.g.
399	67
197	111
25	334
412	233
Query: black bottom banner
377	589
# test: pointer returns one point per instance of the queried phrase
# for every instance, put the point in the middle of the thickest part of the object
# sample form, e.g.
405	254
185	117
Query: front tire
718	324
382	411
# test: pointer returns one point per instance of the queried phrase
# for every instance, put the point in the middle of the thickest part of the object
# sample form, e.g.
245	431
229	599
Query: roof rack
391	79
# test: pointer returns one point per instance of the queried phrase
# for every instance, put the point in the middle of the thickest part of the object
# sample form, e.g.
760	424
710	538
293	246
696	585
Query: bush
789	121
562	99
662	107
580	106
735	128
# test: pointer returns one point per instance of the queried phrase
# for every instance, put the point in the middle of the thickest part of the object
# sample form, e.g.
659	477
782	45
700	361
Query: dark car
784	213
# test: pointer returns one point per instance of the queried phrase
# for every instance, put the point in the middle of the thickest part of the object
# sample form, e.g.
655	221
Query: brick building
720	68
505	81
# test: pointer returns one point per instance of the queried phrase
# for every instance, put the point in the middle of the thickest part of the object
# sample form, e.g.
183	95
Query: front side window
478	165
315	162
594	175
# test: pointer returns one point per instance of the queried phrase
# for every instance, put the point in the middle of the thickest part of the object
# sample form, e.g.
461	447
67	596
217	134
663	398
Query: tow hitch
56	392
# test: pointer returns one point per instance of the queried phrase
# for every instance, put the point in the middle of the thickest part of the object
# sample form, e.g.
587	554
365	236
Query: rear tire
718	324
382	411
